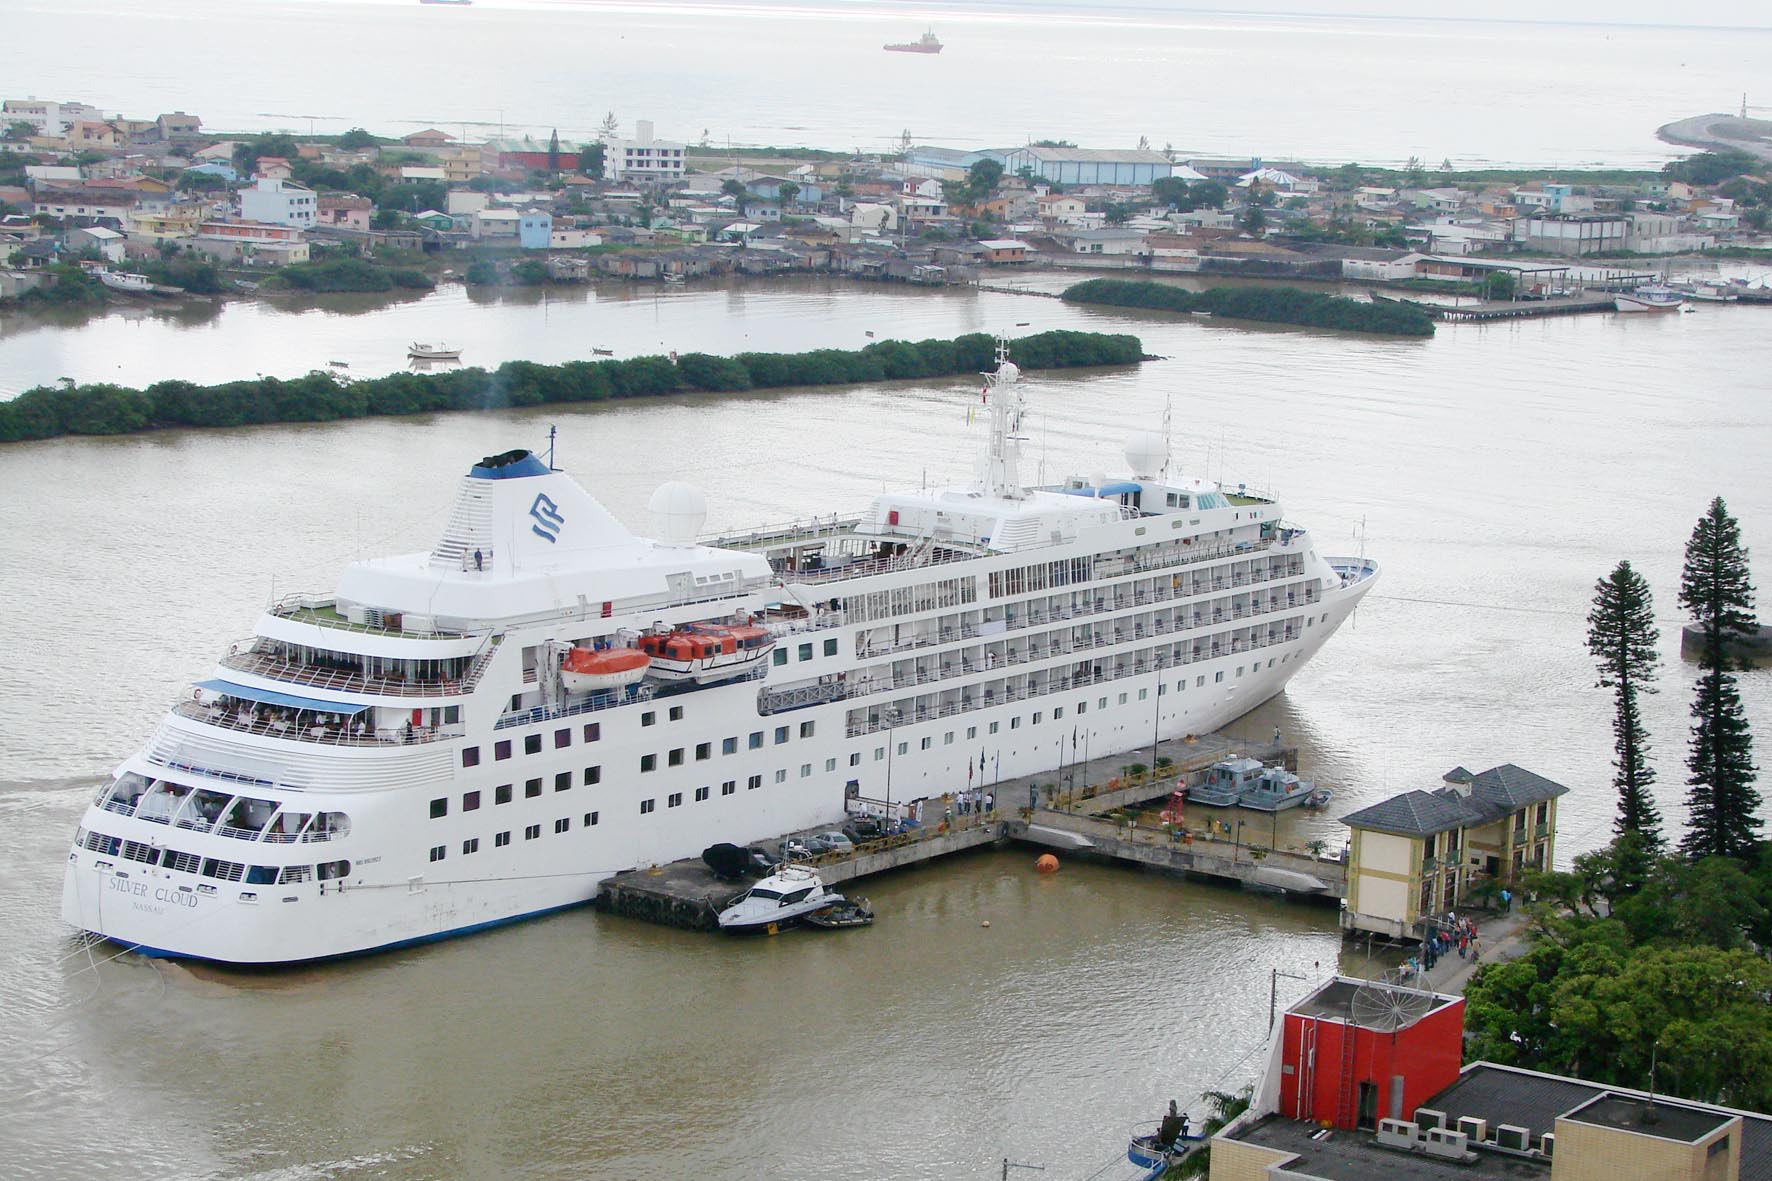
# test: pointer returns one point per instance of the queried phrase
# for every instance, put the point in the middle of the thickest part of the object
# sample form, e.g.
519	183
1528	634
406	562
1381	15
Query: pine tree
1715	589
1621	636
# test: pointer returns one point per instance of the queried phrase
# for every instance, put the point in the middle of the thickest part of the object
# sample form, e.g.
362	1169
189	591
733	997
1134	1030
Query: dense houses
111	190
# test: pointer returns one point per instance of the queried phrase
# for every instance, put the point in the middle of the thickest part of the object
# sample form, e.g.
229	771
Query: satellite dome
678	512
1147	452
1008	371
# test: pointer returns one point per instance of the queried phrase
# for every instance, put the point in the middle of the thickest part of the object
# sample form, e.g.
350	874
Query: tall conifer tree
1621	635
1715	589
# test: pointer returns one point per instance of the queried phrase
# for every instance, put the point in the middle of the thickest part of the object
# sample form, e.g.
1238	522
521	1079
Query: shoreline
1753	136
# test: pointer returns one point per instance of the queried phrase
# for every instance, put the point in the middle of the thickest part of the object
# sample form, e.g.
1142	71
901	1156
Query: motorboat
1276	790
432	352
123	281
593	670
1226	781
1710	291
781	900
1655	297
1319	799
1150	1158
852	912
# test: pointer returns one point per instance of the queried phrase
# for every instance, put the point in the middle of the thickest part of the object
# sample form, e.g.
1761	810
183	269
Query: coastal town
164	205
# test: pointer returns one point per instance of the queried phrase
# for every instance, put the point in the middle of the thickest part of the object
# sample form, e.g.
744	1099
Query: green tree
982	180
1621	637
1173	192
357	139
741	196
789	192
1714	588
590	160
554	151
1253	220
19	130
606	130
1499	285
247	152
1209	194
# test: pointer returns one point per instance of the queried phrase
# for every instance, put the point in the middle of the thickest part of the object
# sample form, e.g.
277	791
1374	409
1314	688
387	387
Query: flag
984	395
870	335
969	771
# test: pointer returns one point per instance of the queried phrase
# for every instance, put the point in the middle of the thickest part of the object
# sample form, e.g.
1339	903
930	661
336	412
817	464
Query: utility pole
1273	994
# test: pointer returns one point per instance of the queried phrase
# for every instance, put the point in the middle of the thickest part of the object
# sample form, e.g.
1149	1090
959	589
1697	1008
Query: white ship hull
452	786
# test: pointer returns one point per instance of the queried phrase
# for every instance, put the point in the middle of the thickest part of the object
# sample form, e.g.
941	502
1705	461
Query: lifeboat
707	652
590	670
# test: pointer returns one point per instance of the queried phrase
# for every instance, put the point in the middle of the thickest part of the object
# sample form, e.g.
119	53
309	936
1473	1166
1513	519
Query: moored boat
1226	781
851	912
432	352
1275	790
588	670
123	281
783	899
1652	298
1319	799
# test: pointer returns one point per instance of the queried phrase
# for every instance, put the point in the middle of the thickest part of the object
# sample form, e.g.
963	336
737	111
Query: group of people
972	802
1452	933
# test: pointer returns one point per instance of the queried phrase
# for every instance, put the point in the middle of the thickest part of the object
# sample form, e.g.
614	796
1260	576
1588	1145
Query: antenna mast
1001	476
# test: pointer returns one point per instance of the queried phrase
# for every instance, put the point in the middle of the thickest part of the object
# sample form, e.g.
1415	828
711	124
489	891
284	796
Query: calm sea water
1496	471
1306	83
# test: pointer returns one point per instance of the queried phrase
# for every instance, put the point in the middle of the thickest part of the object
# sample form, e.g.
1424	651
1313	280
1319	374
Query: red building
1355	1052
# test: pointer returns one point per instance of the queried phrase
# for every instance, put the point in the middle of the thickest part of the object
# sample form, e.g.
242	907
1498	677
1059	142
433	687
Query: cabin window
781	776
470	801
501	794
451	714
1015	722
1217	677
781	734
501	750
532	833
1058	713
532	744
439	808
729	746
562	739
730	787
470	757
501	840
879	753
1122	699
1200	681
675	800
948	738
830	647
971	732
830	764
471	845
926	744
593	731
591	819
805	651
531	788
675	757
562	825
649	718
1037	717
995	726
806	729
1082	707
593	775
676	713
647	806
439	852
794	896
756	740
648	763
781	656
701	794
563	781
903	747
704	750
753	783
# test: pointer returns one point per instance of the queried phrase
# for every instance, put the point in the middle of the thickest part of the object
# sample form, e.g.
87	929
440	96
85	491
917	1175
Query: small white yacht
1653	298
781	900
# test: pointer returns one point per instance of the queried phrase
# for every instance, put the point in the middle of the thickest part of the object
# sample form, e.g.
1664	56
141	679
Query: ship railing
323	612
773	701
814	529
316	677
919	559
324	735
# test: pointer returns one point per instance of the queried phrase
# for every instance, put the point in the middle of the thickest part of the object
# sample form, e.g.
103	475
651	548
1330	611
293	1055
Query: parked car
831	842
794	849
762	861
864	828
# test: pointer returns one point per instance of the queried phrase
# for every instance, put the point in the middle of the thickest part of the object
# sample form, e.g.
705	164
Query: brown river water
1496	471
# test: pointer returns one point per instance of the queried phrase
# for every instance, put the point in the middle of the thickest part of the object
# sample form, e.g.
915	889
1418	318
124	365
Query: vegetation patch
1272	305
102	409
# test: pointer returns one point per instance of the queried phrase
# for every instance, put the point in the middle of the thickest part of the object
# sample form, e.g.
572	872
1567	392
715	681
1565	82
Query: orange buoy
1047	863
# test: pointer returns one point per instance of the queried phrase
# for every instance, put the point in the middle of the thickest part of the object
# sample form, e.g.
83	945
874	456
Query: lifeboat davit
707	652
588	670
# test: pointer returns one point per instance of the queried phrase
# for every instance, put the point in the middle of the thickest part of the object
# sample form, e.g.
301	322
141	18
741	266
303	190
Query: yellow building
1420	853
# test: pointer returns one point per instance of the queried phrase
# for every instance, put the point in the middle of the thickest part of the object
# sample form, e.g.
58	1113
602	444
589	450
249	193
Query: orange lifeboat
588	670
707	652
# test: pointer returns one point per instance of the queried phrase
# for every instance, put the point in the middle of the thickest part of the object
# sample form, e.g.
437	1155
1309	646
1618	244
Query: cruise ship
480	733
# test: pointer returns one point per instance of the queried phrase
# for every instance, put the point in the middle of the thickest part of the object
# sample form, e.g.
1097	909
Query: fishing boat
432	352
1710	291
1226	781
927	43
122	281
596	670
1319	799
783	899
1652	298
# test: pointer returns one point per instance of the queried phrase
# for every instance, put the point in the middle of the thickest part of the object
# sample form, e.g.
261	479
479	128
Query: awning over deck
286	700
